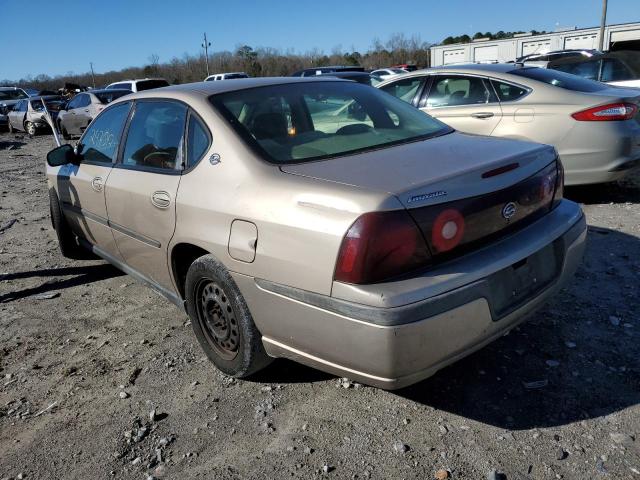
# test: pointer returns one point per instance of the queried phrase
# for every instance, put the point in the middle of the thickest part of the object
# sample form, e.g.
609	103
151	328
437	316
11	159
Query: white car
225	76
140	84
386	73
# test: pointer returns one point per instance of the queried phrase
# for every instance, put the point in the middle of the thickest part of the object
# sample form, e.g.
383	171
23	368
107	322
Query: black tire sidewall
251	356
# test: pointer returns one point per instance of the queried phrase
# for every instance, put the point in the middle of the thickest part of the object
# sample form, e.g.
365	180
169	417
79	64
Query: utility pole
93	78
206	46
603	22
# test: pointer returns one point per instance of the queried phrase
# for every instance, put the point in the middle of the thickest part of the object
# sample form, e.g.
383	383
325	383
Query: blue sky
56	37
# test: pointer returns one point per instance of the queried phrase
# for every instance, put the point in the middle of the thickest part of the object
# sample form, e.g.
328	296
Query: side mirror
62	155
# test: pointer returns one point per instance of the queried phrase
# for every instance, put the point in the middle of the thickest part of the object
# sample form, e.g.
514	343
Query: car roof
106	90
206	89
138	80
44	97
474	67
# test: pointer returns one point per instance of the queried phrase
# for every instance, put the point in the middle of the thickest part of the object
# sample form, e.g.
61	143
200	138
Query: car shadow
623	191
287	371
11	145
82	276
575	359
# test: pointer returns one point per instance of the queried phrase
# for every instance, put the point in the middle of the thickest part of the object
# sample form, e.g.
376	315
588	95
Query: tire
63	131
30	128
10	127
221	319
67	241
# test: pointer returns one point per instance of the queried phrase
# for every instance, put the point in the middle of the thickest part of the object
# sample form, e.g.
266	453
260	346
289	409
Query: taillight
381	245
559	191
603	113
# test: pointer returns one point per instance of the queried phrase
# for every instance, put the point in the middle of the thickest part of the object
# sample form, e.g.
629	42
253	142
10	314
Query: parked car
310	72
9	96
226	76
139	85
80	111
616	68
594	127
558	55
386	73
28	114
360	77
409	67
381	250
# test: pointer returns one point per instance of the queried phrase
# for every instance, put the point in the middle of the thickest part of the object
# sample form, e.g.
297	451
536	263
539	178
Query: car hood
440	169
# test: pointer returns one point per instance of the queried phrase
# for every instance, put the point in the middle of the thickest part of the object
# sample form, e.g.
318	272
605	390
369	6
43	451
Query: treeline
492	36
398	49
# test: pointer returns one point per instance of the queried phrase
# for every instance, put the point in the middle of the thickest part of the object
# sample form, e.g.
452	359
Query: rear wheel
67	241
30	128
221	319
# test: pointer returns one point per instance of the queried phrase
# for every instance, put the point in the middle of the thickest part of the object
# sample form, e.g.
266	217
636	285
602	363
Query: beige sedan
319	220
594	127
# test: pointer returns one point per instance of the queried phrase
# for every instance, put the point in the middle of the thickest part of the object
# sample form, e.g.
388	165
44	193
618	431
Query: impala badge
509	210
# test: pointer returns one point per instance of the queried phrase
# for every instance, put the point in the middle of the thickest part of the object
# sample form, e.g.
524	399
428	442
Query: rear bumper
449	312
599	152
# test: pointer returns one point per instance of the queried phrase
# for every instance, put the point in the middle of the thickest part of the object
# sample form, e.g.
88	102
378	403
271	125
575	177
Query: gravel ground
101	378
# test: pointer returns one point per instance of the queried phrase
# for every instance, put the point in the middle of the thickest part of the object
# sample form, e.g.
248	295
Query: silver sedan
594	127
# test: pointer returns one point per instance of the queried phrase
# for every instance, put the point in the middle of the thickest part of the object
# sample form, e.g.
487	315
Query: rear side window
149	84
405	89
587	70
154	139
449	91
508	92
614	70
100	141
197	140
125	85
108	97
559	79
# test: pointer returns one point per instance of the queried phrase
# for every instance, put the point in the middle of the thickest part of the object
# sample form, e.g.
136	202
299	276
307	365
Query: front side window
197	140
154	139
108	97
558	79
587	70
405	89
100	140
299	122
448	91
124	85
508	92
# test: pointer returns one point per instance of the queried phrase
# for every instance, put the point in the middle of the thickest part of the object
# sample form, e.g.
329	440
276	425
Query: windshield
12	95
108	97
299	122
231	76
559	79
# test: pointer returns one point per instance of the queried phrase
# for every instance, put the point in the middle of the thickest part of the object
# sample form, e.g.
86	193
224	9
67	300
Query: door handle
87	110
97	183
161	199
482	115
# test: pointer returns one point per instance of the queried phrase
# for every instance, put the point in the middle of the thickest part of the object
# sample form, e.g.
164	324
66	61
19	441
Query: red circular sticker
439	236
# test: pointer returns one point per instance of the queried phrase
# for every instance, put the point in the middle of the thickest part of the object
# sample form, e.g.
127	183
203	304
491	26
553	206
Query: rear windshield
149	84
108	97
559	79
300	122
231	76
12	95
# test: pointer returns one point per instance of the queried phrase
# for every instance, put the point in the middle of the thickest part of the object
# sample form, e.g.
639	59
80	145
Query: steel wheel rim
217	319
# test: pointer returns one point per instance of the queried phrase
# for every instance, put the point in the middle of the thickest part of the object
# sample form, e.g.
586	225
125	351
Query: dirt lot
556	398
